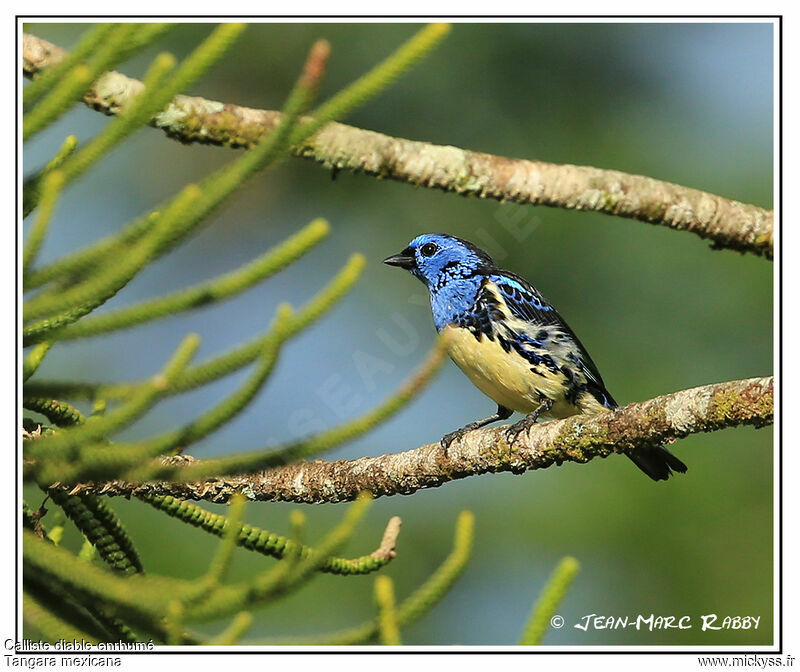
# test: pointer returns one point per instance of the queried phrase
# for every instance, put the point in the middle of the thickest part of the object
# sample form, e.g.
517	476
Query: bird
511	343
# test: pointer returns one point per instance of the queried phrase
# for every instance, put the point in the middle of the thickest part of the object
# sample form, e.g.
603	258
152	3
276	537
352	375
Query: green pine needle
98	289
207	293
551	596
376	80
388	628
234	632
60	413
416	605
347	431
222	365
52	626
63	445
101	526
35	359
51	190
31	188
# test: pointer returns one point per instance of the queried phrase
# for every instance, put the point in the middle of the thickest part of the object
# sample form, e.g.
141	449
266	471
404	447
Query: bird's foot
502	414
447	439
513	432
520	427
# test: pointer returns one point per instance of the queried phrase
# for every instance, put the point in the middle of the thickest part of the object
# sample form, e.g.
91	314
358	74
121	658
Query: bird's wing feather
527	303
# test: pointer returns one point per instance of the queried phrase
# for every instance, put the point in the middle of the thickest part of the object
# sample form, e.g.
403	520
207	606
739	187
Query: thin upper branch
576	439
729	224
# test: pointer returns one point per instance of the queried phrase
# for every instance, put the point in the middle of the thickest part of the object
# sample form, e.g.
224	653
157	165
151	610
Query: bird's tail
657	462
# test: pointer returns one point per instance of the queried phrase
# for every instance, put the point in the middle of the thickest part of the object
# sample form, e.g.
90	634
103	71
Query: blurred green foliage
659	311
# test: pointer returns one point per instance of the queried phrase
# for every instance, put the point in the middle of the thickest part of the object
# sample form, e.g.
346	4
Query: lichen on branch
577	439
727	223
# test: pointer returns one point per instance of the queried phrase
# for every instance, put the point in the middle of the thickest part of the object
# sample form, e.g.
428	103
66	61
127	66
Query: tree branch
729	224
576	439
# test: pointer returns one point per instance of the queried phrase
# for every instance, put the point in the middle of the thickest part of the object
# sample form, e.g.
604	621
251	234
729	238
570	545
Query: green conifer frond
124	604
98	462
375	81
262	541
222	560
35	359
234	632
245	462
101	526
60	413
52	626
158	91
288	575
241	356
347	431
51	189
142	599
416	605
133	117
62	444
388	628
31	188
221	365
79	263
551	596
207	293
97	289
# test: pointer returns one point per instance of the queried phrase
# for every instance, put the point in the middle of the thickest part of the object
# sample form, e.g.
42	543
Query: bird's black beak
405	260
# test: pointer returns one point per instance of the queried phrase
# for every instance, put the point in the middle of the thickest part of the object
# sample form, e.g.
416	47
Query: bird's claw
447	439
513	432
521	427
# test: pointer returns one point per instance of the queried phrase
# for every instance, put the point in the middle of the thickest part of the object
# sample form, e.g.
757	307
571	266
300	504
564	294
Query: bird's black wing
527	303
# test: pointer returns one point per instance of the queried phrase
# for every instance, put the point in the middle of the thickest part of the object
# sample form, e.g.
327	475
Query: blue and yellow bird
511	343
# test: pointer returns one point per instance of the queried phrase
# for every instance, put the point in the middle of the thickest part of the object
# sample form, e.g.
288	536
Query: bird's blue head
452	269
438	259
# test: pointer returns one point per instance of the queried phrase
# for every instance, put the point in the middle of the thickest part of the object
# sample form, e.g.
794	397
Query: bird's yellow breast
505	377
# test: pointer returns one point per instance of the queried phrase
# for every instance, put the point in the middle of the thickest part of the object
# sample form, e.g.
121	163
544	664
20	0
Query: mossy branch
75	81
727	223
576	439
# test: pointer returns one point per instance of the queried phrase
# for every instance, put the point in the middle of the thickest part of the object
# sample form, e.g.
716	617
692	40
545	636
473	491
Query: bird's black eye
428	249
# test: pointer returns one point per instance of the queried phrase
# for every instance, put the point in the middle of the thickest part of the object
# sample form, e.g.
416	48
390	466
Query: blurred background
658	310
